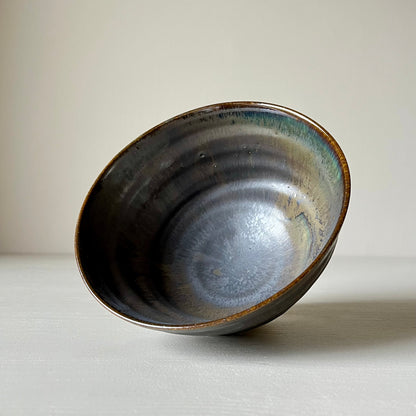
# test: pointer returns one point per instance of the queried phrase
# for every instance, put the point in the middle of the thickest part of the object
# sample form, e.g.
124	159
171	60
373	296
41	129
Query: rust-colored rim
210	108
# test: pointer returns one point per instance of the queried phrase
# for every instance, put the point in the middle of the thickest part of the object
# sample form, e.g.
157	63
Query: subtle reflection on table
348	347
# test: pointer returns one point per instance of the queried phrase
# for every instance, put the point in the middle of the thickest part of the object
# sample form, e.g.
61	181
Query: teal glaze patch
286	125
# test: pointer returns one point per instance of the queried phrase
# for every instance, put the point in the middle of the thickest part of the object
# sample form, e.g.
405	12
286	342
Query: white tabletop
347	348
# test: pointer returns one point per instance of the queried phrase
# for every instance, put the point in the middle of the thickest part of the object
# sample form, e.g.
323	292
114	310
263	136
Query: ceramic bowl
215	221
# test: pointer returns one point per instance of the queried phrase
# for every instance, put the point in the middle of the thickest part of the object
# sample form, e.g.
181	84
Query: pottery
215	221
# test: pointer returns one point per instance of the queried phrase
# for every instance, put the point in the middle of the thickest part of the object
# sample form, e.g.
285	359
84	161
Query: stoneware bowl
215	221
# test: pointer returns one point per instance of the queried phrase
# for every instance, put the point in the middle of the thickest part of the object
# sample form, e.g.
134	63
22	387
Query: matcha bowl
215	221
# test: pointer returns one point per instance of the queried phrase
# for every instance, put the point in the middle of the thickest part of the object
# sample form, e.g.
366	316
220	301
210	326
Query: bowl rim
324	134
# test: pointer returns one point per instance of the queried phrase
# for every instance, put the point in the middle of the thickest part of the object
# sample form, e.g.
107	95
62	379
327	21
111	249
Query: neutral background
81	79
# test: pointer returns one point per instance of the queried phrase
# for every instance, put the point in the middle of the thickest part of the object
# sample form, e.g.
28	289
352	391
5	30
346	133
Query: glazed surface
209	215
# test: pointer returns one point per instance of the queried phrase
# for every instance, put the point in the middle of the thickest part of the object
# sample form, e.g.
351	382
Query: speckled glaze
215	221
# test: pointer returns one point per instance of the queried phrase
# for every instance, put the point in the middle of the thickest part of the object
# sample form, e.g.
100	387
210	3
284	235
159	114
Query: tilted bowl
215	221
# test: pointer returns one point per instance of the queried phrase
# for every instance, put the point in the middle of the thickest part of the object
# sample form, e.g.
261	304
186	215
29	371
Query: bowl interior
209	214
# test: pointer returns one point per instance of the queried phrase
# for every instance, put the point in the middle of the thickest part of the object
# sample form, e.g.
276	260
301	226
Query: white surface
81	79
347	348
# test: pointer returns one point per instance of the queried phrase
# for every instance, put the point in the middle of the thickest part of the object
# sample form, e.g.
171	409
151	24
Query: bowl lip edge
323	134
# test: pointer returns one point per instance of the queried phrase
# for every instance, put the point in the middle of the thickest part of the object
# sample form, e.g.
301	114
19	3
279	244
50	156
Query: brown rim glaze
232	104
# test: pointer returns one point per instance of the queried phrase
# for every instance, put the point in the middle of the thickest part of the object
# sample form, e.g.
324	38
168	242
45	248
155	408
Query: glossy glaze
215	221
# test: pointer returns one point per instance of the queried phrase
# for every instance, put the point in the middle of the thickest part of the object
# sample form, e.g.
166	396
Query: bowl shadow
317	328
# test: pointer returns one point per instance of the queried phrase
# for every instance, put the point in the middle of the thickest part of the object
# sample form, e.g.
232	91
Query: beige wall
81	79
